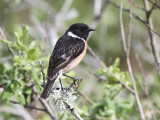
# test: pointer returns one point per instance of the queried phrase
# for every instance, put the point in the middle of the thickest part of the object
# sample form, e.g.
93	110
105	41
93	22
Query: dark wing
65	51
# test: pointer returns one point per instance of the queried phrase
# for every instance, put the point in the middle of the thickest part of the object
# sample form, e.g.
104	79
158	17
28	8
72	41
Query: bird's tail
47	89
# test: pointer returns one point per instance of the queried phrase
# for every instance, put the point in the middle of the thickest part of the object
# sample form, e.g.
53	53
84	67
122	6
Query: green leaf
25	31
28	99
33	54
33	44
2	68
6	42
17	35
101	71
20	45
126	104
19	60
27	67
116	63
5	96
14	85
21	99
27	90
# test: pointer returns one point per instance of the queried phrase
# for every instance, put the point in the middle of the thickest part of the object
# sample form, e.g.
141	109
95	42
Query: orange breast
78	59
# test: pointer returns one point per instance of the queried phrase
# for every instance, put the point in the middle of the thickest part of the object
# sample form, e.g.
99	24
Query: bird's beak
90	29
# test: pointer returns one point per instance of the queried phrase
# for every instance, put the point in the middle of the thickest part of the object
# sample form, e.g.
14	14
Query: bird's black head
80	29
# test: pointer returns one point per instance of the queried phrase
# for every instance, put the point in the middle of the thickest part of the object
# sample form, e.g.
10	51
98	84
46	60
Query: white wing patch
65	57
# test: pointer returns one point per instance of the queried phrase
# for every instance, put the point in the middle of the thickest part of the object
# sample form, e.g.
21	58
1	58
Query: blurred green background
49	19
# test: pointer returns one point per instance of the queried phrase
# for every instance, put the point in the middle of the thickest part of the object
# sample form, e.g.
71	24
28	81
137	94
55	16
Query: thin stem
75	113
154	3
153	41
129	64
28	106
49	110
137	17
5	38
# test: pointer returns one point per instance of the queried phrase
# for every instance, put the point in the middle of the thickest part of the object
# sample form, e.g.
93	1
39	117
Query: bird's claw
75	82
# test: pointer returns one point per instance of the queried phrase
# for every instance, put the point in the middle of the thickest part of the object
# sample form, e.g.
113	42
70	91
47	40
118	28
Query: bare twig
153	41
28	106
17	110
136	5
145	88
129	31
137	17
76	114
86	97
129	64
49	110
5	38
154	3
145	23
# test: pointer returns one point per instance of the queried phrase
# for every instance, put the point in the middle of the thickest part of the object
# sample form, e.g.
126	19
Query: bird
67	54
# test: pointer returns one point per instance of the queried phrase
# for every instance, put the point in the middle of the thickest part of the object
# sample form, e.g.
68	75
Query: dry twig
75	113
49	110
28	106
137	17
154	3
129	64
153	41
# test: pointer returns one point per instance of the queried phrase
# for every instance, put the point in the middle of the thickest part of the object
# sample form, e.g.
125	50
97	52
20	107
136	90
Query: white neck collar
74	36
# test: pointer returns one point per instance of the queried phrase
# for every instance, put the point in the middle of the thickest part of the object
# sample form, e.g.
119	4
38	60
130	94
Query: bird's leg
43	83
74	80
61	84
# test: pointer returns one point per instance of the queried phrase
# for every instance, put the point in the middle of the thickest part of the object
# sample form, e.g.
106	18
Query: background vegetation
120	72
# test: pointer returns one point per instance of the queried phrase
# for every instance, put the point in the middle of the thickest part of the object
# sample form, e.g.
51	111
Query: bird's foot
75	82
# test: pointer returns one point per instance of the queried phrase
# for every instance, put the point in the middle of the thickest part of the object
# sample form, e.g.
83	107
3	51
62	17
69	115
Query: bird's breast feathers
77	60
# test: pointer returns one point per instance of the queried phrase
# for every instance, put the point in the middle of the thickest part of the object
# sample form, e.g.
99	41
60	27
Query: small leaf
5	96
14	85
20	45
28	90
25	34
21	99
33	44
116	63
19	60
17	35
27	67
6	42
28	99
101	71
33	54
2	68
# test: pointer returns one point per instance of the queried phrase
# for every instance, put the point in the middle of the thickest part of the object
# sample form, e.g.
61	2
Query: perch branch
75	113
49	110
